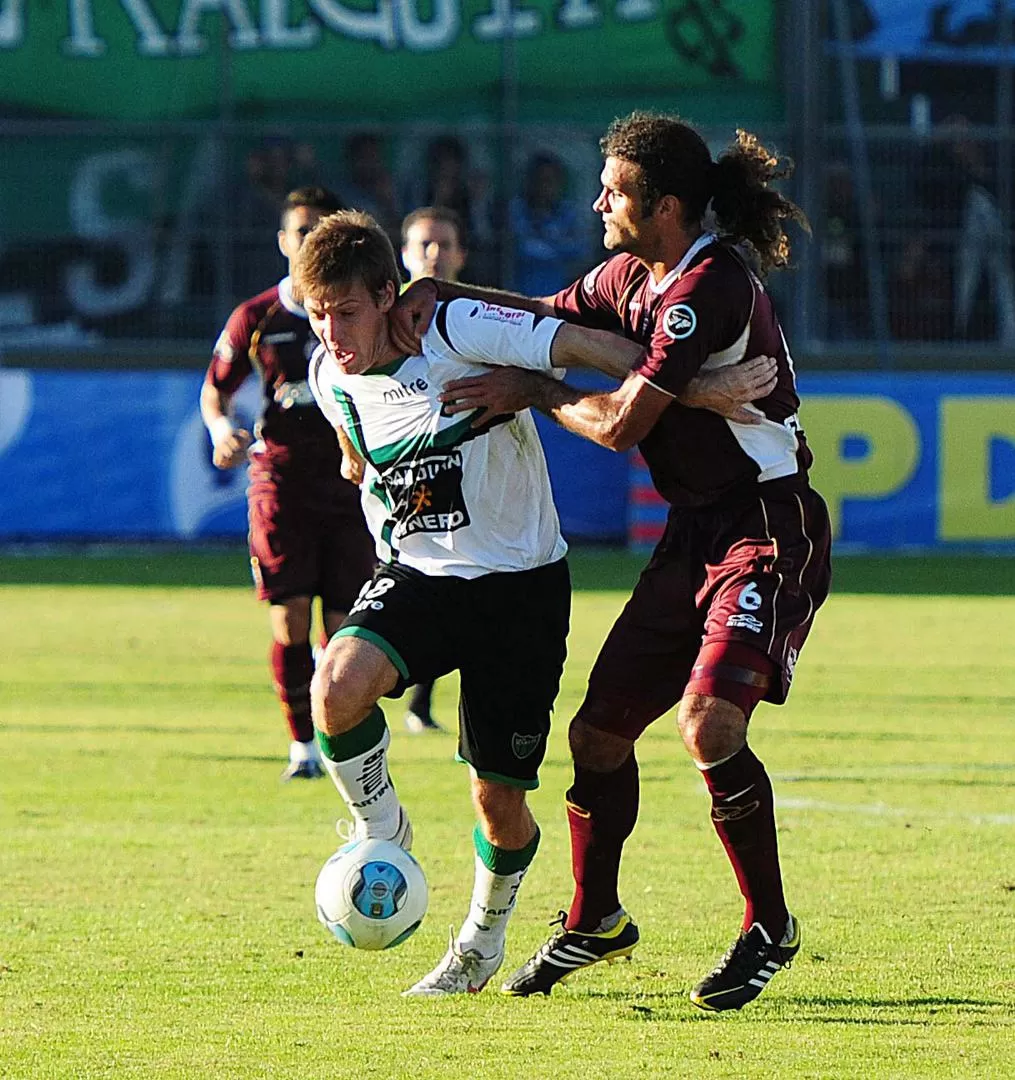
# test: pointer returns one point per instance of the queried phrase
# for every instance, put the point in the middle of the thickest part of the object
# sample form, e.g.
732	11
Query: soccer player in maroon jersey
719	616
307	534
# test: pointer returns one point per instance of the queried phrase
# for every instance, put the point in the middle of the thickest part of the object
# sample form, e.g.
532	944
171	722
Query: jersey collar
674	275
285	297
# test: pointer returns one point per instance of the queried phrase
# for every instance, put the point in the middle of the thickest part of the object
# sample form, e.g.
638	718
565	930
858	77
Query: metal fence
128	243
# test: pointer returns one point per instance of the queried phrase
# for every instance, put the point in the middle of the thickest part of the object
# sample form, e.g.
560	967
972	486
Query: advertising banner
920	462
905	462
390	59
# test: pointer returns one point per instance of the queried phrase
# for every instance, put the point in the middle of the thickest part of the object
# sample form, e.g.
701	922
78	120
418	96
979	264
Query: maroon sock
743	813
601	811
292	667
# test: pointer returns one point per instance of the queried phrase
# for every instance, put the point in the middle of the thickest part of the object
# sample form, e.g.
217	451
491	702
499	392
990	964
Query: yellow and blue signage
904	461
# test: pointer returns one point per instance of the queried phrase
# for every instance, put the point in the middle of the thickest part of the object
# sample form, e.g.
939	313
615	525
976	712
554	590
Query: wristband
220	429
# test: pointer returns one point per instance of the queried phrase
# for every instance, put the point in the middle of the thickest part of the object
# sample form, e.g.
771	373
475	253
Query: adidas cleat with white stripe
745	970
566	952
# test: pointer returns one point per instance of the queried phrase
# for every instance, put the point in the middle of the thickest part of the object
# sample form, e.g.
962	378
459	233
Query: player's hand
504	390
409	318
231	449
727	390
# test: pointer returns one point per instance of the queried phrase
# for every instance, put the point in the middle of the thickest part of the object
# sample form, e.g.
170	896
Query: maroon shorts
754	576
305	544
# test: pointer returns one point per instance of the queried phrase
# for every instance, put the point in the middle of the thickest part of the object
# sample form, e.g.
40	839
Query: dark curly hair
674	159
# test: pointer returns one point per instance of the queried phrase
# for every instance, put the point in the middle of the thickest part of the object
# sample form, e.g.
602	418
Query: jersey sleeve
230	361
702	314
593	300
490	334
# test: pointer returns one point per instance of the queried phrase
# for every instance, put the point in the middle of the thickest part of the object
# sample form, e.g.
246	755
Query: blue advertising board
905	461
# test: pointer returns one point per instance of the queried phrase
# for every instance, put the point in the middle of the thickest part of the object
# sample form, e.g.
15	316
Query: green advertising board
149	60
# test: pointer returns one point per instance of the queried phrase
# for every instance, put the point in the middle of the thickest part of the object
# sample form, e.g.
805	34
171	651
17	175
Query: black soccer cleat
746	968
566	951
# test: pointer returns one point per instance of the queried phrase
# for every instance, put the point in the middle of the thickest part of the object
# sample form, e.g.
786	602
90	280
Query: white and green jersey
440	495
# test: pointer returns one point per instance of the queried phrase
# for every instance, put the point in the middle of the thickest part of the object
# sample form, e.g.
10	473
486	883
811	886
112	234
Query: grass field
156	910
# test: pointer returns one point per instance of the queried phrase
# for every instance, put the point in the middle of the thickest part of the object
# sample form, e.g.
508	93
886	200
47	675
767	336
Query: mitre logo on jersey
679	321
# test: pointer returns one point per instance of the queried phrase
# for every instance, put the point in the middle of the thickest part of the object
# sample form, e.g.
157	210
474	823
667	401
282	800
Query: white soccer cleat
348	831
460	972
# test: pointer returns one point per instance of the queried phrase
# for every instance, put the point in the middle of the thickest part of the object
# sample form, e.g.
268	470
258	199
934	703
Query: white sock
303	751
364	783
493	900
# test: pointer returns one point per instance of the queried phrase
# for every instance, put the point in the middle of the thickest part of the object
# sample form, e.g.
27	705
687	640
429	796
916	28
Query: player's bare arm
353	466
410	317
616	420
229	443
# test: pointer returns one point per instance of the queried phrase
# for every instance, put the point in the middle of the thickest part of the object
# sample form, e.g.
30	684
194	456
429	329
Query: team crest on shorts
679	321
522	746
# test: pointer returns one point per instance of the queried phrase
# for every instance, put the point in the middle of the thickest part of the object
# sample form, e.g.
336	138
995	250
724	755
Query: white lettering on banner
505	20
198	190
134	237
242	36
276	33
390	23
436	33
16	399
360	25
578	14
12	24
83	40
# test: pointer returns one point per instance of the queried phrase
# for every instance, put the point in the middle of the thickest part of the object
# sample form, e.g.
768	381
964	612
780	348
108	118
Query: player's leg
419	714
283	564
292	666
505	840
761	598
352	675
511	642
392	636
638	676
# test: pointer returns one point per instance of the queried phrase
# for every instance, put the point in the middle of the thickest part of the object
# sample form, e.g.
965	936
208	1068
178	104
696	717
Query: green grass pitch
156	907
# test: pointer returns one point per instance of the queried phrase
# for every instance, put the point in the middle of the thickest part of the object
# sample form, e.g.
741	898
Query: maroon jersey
709	311
270	335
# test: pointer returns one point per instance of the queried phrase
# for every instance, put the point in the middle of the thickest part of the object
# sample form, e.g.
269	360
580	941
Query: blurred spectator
920	293
550	245
956	187
369	185
272	169
448	180
842	259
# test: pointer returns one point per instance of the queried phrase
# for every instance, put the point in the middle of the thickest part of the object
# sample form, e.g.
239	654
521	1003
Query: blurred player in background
433	245
719	616
307	534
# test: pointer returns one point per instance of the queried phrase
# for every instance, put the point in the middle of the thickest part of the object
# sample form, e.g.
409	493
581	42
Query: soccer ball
371	894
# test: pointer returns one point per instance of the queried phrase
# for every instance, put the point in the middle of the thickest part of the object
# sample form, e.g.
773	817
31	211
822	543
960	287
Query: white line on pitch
882	810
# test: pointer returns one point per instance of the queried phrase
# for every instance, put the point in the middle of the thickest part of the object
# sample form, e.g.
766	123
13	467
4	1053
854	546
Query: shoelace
447	975
346	830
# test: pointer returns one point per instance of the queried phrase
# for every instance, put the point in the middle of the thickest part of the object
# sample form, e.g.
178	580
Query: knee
338	699
712	729
596	750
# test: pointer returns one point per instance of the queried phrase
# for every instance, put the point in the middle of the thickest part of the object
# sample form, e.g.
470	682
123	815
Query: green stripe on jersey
355	428
459	432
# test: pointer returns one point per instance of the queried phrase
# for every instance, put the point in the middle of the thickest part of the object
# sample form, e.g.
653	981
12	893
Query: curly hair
673	159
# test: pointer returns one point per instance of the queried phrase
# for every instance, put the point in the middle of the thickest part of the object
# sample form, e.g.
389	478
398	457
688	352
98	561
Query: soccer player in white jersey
472	571
472	574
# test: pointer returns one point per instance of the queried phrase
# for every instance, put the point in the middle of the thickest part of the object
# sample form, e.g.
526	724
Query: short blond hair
341	249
